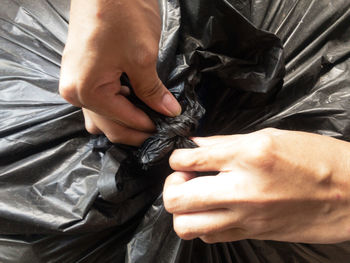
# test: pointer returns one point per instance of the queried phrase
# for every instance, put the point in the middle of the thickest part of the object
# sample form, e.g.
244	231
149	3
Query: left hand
107	38
272	185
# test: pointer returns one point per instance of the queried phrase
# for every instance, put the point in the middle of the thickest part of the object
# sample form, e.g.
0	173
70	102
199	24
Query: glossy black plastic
235	66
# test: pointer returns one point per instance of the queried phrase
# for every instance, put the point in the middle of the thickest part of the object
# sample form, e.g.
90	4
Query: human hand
273	185
105	39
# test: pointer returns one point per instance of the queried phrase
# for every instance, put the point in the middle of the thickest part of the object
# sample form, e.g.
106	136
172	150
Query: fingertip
178	178
171	105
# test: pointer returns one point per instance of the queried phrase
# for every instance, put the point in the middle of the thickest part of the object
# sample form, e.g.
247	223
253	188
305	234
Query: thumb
150	89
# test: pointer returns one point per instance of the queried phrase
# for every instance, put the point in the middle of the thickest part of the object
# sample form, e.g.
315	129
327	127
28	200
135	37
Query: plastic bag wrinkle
213	57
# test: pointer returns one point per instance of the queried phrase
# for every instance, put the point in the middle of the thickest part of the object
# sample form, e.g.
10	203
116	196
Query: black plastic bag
314	97
70	197
52	173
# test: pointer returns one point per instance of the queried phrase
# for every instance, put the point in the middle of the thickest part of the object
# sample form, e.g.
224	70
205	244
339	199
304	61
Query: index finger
185	193
202	159
107	100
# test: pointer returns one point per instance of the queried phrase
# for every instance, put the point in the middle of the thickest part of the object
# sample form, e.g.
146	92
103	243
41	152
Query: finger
117	133
149	88
202	159
67	87
215	140
173	180
107	101
229	235
193	225
90	126
181	195
178	178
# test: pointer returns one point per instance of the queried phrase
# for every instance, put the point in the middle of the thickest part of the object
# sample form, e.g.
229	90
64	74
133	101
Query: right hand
105	39
272	184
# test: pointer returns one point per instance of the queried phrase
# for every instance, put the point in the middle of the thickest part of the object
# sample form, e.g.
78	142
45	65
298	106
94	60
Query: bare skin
105	39
273	185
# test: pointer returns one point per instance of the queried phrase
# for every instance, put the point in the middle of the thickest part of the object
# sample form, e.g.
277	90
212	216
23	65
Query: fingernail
171	105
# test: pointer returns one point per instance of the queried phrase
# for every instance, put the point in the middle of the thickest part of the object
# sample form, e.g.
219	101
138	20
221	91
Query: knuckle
257	226
258	218
262	151
261	226
324	174
150	91
182	229
146	55
123	138
75	89
194	162
208	239
75	93
270	131
184	234
66	54
173	160
169	199
113	137
187	158
91	128
263	144
67	90
85	91
67	87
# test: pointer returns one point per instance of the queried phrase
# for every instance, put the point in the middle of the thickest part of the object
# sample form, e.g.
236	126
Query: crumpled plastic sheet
207	48
67	196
